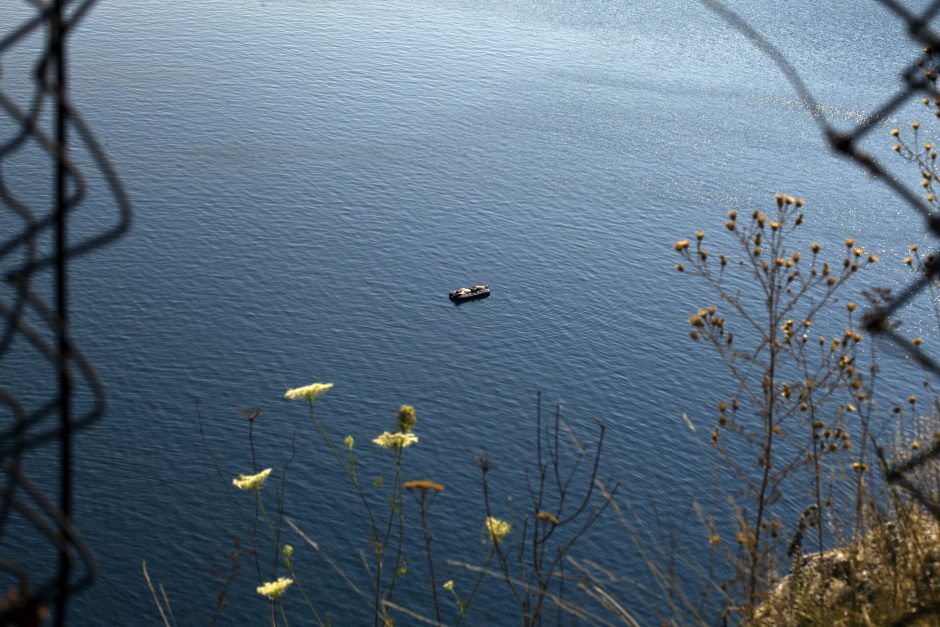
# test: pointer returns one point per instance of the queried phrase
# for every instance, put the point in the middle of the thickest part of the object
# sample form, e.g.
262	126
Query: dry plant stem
259	505
814	444
866	440
382	548
578	612
504	564
153	594
233	573
278	553
303	593
538	560
350	583
251	446
254	469
346	469
770	397
785	289
228	486
378	545
540	543
767	459
426	532
464	607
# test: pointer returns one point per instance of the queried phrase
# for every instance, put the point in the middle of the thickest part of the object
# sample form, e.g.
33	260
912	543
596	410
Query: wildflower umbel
308	392
251	482
423	484
449	585
406	418
396	441
349	441
498	529
274	590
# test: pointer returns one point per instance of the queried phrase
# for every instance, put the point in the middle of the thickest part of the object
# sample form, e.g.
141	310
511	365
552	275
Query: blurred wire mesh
35	342
35	252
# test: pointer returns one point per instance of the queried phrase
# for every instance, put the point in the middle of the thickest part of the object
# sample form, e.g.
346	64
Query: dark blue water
311	178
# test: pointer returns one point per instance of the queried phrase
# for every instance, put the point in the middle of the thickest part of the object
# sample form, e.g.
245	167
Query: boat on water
462	294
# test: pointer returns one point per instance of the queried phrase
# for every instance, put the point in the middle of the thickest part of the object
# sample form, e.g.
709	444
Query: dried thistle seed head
547	517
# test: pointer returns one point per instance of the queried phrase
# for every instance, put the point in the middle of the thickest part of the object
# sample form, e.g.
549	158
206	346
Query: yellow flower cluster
498	529
251	482
275	589
423	484
449	585
396	441
308	392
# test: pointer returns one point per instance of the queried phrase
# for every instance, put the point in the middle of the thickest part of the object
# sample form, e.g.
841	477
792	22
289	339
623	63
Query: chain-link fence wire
34	261
25	256
918	78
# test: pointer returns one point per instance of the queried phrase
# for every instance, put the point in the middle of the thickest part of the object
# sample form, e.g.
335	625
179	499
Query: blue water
311	178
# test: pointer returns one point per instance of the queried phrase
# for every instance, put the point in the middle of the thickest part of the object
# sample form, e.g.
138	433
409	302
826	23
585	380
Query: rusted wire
36	249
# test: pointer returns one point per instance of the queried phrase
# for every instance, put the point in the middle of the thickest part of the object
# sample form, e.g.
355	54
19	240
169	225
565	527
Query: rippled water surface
312	177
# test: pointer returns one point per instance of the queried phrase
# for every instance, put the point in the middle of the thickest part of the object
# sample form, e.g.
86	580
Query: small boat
469	293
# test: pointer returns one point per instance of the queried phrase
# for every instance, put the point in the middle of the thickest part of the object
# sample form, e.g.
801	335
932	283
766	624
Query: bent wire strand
29	320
